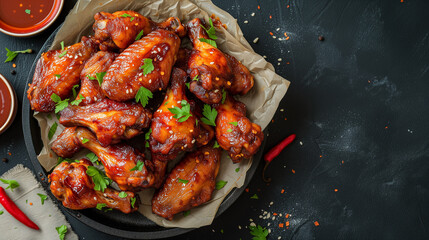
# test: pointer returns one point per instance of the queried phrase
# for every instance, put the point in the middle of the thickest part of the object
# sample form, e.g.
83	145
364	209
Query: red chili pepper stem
11	207
274	152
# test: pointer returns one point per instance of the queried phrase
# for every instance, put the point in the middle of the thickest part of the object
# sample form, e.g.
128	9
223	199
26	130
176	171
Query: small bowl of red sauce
24	18
8	104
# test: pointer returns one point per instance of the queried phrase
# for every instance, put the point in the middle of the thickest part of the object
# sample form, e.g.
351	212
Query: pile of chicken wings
101	87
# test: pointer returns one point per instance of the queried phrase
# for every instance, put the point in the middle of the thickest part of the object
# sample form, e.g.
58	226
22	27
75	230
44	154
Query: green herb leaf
237	169
187	84
85	140
91	77
220	184
62	230
223	96
216	144
143	96
209	41
234	123
12	54
100	77
100	206
12	183
139	36
52	130
60	104
147	66
77	101
182	181
1	212
221	231
147	136
92	157
122	194
125	15
62	54
254	196
131	19
133	201
101	181
42	198
229	130
60	160
211	31
138	167
27	11
59	76
258	232
62	45
186	213
210	115
181	114
195	78
74	90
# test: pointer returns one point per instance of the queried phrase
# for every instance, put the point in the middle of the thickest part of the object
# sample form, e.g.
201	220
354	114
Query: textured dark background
357	102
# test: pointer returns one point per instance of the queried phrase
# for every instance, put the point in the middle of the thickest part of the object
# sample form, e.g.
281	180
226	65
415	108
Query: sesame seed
250	219
239	227
95	98
271	203
280	59
127	91
268	224
252	224
246	22
274	37
253	14
193	141
279	238
171	132
255	40
277	29
269	230
150	80
131	90
278	64
212	63
264	56
185	145
300	143
126	28
281	110
217	90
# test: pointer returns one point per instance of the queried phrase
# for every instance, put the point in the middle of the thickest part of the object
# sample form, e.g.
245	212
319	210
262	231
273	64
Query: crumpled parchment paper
262	101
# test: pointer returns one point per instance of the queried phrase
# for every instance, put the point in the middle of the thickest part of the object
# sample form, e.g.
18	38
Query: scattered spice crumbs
31	204
247	189
316	223
287	215
259	7
282	191
336	190
281	225
10	154
293	171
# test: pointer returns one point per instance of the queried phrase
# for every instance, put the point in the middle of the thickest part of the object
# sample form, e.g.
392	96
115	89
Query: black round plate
114	223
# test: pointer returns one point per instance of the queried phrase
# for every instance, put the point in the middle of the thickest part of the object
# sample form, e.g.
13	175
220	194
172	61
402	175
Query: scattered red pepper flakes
320	156
287	215
14	65
274	214
271	34
402	0
342	162
285	34
272	120
281	225
247	189
386	127
31	204
287	224
282	191
336	190
288	63
287	6
293	171
287	38
259	7
271	17
285	119
316	223
10	154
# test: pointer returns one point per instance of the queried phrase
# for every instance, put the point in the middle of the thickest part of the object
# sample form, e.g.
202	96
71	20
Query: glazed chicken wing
171	135
90	89
119	161
75	189
120	29
214	69
58	74
234	131
111	121
190	183
126	75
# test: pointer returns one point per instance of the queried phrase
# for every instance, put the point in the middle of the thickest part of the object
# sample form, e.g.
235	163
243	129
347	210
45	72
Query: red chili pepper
274	152
10	206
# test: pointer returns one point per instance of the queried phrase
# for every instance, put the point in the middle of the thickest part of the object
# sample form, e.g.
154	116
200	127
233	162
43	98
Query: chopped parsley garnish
220	184
229	130
223	96
186	213
77	101
62	45
58	76
12	54
60	160
27	11
1	212
52	130
127	15
254	196
139	36
122	194
100	206
209	115
93	158
101	181
181	114
42	197
216	144
12	183
258	232
147	66
62	230
237	169
100	77
59	104
147	136
74	90
85	140
188	85
209	41
62	54
182	181
195	78
234	123
138	167
143	95
133	201
211	31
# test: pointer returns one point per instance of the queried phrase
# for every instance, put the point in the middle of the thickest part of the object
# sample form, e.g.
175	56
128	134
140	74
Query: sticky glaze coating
120	29
200	168
169	137
118	159
45	83
125	77
111	121
75	189
241	141
90	90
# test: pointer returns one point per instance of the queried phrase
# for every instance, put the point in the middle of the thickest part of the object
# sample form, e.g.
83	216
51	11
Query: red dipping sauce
7	104
27	17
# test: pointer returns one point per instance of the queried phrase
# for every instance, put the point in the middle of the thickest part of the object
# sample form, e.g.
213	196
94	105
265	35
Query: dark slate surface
358	104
